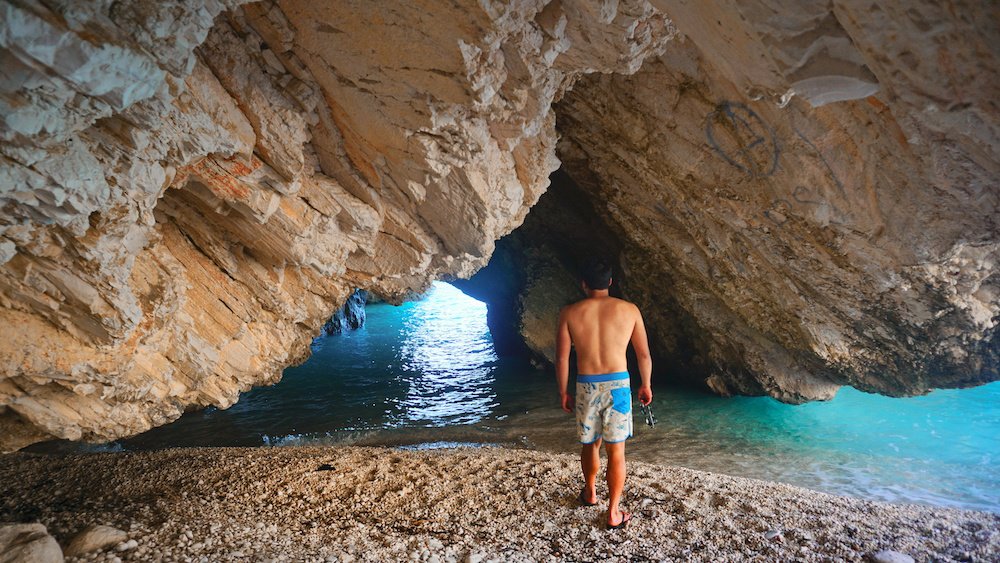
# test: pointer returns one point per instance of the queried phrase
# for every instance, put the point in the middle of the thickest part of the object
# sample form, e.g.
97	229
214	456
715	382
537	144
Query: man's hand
568	402
645	395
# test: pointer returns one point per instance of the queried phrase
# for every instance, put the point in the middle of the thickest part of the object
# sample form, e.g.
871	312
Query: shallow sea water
424	375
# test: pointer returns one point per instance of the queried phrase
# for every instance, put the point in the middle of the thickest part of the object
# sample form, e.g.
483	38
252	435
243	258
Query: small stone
804	535
125	546
773	535
94	538
890	556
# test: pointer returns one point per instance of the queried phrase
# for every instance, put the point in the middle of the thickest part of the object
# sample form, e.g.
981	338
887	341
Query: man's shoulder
567	309
625	304
627	309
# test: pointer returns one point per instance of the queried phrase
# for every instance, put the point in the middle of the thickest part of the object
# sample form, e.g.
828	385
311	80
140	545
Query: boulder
28	542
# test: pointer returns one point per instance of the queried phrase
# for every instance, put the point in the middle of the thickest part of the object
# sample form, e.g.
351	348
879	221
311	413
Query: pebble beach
458	504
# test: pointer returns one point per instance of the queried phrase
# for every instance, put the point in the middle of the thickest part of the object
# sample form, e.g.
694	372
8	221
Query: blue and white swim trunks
603	407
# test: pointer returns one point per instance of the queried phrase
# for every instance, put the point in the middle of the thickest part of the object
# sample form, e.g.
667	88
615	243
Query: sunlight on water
447	356
425	374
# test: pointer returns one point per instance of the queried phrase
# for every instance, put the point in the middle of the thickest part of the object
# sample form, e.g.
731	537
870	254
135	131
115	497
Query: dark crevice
533	274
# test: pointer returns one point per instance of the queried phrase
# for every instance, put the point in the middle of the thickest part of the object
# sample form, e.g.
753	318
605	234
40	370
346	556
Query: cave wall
820	212
190	189
534	272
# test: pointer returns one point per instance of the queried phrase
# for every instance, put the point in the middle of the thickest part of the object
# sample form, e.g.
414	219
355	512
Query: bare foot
626	517
587	498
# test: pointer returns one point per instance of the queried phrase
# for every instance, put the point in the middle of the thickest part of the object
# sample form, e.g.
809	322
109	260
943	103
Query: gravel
466	504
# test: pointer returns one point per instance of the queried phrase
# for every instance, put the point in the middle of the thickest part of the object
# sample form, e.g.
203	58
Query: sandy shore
468	504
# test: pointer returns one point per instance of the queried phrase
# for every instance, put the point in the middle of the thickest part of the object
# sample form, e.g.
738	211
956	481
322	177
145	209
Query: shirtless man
600	327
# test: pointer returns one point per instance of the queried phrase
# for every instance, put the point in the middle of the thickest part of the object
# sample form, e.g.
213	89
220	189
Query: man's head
597	274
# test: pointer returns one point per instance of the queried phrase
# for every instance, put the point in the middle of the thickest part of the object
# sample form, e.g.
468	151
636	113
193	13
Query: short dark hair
597	274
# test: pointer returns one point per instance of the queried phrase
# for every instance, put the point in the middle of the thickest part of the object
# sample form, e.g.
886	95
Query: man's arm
563	343
641	346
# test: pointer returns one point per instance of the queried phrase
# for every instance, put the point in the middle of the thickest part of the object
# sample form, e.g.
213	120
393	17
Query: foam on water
425	373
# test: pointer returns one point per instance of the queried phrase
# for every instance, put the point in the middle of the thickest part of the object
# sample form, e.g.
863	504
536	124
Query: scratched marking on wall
742	139
826	163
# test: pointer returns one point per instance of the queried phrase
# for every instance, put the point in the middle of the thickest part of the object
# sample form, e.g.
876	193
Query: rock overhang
169	245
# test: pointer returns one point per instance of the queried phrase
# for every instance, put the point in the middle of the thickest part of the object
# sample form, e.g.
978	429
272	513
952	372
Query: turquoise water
425	373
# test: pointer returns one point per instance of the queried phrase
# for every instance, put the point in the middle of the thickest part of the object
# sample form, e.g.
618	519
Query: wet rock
349	317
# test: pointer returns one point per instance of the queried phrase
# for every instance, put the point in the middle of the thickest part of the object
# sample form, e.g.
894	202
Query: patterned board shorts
603	407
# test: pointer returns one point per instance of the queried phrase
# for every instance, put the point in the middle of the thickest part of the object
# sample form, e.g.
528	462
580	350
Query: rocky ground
380	504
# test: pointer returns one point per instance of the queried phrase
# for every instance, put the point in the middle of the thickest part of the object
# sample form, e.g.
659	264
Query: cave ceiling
798	195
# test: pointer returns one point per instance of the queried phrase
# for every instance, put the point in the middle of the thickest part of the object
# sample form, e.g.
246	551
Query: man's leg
590	462
616	480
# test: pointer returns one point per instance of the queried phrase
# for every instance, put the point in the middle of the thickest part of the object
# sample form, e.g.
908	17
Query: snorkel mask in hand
650	419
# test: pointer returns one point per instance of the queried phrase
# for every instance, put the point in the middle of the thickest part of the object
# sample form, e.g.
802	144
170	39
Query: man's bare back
600	328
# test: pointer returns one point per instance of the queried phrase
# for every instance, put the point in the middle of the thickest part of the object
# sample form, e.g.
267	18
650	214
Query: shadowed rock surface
799	197
349	317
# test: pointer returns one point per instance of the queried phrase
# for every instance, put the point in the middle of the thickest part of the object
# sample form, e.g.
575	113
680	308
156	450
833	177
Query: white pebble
127	545
890	556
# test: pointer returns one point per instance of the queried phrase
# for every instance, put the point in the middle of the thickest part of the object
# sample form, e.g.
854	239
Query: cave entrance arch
534	272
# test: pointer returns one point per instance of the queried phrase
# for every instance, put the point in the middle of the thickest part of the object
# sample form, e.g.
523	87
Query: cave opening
534	272
428	374
421	372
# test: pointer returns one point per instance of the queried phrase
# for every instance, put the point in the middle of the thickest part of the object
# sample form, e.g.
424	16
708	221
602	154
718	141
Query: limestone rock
93	538
779	248
349	317
806	246
28	542
799	196
170	241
